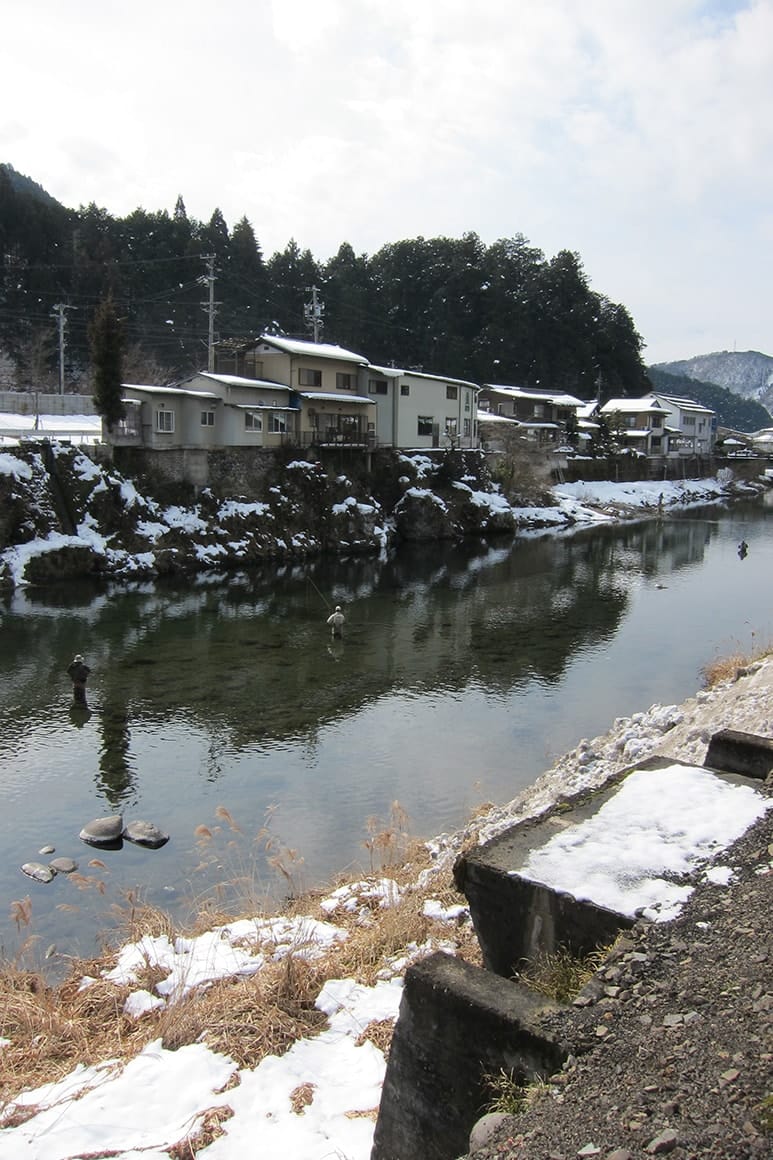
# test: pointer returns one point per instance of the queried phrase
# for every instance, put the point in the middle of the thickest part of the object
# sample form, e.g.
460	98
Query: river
223	710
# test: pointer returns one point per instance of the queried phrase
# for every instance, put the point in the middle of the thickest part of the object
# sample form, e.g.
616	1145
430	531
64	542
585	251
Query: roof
336	397
178	391
259	407
239	381
682	404
558	398
635	406
299	346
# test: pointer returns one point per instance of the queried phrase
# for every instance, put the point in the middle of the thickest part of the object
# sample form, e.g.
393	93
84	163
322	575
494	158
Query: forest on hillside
502	312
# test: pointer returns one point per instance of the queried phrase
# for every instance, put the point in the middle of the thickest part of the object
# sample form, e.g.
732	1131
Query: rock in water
63	865
103	831
38	871
145	834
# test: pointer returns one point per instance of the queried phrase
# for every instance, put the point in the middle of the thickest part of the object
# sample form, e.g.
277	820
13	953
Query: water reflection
463	665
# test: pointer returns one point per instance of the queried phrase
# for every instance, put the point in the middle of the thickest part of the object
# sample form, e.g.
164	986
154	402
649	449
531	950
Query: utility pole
59	314
210	306
313	313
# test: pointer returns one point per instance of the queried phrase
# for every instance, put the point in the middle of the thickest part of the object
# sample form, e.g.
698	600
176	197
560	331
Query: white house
691	426
417	410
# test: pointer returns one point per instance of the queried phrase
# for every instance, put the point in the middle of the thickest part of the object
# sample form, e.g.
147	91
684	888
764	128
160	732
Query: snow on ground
671	820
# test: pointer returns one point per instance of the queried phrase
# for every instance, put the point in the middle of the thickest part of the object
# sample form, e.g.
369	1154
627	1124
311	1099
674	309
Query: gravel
673	1038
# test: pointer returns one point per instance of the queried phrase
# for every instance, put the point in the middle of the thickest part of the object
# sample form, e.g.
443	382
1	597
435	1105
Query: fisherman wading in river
336	621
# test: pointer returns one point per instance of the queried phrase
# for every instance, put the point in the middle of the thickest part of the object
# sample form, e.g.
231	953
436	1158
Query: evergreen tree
107	342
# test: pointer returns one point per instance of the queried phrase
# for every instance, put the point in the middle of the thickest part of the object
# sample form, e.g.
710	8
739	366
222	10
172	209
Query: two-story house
417	410
540	414
324	382
691	426
637	424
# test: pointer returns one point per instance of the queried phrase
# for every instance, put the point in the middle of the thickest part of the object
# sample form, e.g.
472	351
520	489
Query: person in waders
78	672
336	621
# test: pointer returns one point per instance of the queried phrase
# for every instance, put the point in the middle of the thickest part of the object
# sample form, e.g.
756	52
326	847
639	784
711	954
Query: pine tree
107	342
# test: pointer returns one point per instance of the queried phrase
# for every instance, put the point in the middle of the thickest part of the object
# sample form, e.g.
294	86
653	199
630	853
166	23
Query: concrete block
457	1024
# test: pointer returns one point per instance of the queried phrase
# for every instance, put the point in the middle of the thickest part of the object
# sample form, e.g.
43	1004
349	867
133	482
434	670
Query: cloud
636	134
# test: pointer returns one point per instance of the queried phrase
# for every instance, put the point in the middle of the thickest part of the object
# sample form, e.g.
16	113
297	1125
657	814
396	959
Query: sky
636	133
677	820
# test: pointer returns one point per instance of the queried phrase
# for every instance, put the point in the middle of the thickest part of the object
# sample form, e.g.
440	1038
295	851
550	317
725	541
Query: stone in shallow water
103	831
38	871
47	850
63	865
145	834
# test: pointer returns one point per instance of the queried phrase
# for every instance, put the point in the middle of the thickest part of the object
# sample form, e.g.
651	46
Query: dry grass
560	975
53	1027
733	666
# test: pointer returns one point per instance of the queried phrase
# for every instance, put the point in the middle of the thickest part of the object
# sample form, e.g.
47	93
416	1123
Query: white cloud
637	134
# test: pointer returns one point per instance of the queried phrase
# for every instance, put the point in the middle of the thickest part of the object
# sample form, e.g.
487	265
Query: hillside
450	306
748	373
732	409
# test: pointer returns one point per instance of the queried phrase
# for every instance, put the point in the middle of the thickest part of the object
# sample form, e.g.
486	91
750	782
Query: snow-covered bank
319	1098
71	516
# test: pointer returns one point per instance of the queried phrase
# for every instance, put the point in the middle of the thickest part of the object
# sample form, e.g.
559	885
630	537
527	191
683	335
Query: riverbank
62	515
280	1025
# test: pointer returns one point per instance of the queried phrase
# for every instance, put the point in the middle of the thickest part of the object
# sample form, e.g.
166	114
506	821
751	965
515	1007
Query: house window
309	378
277	424
345	381
539	410
467	426
208	418
252	422
630	421
657	420
165	421
424	425
451	426
377	386
452	392
466	400
656	441
689	420
405	389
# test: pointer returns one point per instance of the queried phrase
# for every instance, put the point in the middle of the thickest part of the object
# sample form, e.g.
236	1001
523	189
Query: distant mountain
731	410
746	373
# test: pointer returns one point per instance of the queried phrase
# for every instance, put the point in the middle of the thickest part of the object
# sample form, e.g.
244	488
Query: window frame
167	425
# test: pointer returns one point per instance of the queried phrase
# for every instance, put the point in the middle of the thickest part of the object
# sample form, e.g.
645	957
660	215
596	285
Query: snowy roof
682	404
259	407
300	346
179	391
390	372
336	397
240	381
492	417
635	406
559	399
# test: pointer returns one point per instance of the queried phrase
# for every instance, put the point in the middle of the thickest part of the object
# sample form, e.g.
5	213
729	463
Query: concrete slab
576	877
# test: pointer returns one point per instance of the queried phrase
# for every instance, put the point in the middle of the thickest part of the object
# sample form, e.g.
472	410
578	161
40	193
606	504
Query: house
415	410
637	425
167	417
324	383
691	427
542	415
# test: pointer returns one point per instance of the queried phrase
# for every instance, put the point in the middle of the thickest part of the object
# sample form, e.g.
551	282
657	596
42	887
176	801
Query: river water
222	710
